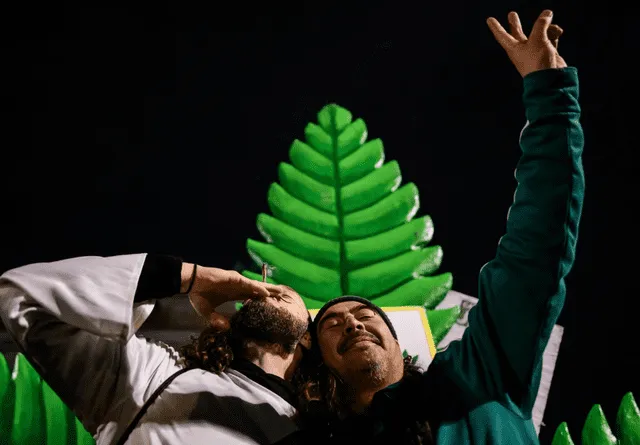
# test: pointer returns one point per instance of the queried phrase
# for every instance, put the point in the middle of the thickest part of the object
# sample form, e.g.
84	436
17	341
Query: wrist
186	276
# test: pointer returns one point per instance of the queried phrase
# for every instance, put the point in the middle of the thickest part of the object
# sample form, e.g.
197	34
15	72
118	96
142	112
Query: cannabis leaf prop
596	430
342	225
31	412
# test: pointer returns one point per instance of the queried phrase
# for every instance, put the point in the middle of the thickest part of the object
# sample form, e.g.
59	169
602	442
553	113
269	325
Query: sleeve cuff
551	92
160	278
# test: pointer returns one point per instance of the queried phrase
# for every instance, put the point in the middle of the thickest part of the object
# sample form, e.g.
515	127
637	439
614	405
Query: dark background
153	128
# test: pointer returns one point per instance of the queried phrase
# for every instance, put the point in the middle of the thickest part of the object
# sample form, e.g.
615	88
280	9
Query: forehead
293	298
290	292
342	308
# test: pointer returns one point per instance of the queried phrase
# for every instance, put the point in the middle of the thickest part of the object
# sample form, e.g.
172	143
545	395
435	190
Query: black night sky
153	128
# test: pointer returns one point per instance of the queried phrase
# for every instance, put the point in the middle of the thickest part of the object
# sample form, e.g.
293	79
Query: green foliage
30	412
562	436
414	358
343	225
596	430
628	421
7	397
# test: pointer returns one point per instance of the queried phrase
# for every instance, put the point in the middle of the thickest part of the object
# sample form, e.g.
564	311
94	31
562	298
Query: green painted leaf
59	420
341	223
441	321
7	398
422	291
414	358
83	437
628	421
28	414
562	436
596	430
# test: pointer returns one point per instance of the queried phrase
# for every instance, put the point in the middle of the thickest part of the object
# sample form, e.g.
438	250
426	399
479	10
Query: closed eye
365	314
332	323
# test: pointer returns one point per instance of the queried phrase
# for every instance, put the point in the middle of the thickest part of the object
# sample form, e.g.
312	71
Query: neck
271	359
362	400
366	387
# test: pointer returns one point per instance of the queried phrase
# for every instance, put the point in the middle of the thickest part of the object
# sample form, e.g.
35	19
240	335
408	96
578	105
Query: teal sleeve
522	290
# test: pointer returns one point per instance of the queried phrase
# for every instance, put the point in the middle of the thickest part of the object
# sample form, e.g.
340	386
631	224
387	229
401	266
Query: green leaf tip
333	117
562	435
596	430
441	320
628	421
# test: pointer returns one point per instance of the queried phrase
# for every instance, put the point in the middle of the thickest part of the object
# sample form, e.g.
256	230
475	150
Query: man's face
279	321
356	343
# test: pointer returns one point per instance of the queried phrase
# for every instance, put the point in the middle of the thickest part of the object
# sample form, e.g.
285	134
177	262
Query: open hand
537	52
213	287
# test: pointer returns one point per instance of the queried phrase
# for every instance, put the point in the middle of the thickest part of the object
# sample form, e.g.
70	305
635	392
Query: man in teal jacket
482	389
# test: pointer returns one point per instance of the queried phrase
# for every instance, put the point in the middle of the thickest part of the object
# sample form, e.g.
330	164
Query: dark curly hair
212	350
217	346
324	397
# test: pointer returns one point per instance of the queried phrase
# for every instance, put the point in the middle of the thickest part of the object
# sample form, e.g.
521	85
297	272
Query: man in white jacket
75	320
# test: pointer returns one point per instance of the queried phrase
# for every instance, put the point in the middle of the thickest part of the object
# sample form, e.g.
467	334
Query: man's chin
365	363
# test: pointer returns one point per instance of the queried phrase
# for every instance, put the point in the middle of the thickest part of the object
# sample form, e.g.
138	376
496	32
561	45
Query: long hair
216	347
324	396
212	350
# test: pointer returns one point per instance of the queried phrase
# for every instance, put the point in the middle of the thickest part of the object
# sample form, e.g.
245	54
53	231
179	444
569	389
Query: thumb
541	26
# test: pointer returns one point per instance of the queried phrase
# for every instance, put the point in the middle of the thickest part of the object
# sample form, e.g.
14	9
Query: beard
261	322
367	371
374	373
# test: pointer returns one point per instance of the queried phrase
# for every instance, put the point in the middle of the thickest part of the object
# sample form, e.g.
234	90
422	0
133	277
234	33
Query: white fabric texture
75	320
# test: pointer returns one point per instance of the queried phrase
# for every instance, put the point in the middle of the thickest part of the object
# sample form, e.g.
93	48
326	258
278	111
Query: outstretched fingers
516	27
541	27
505	39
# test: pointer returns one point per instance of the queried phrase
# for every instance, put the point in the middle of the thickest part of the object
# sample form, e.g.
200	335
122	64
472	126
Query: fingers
516	27
503	37
254	288
273	289
258	289
541	26
279	293
553	33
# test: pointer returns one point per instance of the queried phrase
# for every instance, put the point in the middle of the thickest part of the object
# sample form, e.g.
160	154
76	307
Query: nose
352	324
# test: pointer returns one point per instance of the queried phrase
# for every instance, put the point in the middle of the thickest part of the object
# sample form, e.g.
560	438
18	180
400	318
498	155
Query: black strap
147	404
193	279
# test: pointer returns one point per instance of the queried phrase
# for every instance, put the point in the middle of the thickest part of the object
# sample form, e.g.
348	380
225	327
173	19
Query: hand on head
537	52
213	287
268	330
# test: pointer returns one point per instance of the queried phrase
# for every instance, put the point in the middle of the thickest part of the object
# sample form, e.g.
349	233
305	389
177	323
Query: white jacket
75	320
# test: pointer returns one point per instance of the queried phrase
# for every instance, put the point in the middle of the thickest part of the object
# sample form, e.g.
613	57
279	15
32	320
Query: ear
305	341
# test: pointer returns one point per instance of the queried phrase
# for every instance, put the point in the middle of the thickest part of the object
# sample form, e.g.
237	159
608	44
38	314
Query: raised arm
522	291
75	321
